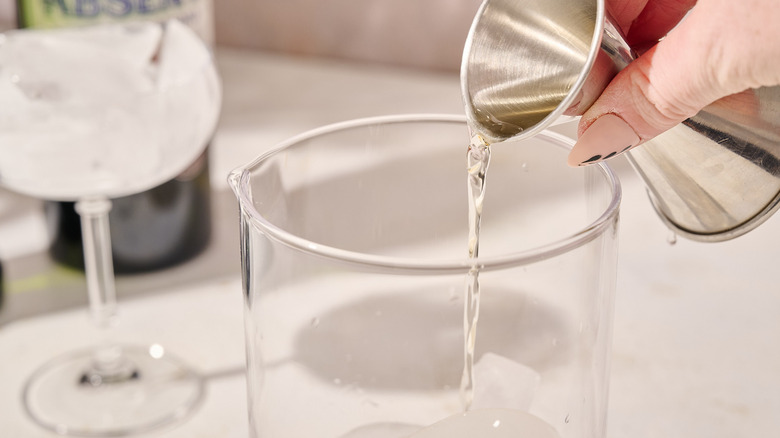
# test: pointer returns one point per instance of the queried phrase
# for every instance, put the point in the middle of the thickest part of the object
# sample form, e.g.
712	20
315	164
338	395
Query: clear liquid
477	163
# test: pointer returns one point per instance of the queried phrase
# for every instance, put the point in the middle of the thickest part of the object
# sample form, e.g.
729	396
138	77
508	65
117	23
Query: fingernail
608	136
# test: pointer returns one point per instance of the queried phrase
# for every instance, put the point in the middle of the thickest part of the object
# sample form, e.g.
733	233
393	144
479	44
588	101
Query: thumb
664	86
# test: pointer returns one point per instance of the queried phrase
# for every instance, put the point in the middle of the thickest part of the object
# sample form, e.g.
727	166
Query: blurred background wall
417	33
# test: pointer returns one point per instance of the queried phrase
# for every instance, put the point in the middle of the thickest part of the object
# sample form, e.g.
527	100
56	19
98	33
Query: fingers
651	95
656	20
647	21
607	137
624	12
664	86
721	48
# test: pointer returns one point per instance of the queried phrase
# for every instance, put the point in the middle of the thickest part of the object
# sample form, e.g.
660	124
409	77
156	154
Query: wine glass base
158	391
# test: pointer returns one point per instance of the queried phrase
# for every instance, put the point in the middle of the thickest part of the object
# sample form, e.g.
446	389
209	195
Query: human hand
722	47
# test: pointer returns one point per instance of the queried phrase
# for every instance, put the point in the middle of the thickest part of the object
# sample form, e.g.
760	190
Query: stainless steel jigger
714	177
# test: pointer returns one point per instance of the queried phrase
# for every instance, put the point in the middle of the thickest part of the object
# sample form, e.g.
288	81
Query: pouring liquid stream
481	422
477	163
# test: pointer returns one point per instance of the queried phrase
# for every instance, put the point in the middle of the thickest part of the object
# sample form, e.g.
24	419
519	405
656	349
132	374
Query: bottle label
44	14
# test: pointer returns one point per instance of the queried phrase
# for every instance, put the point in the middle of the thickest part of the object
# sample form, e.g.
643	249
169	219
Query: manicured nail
608	136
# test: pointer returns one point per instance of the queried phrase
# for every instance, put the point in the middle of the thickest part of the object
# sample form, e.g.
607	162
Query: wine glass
88	115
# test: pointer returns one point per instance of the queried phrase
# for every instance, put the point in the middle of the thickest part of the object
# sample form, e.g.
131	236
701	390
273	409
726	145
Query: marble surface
697	326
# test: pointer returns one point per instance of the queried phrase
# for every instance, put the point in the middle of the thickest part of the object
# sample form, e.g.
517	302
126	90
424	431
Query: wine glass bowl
88	115
83	121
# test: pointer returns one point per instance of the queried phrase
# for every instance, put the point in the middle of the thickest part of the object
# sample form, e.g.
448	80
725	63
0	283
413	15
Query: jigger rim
239	182
566	102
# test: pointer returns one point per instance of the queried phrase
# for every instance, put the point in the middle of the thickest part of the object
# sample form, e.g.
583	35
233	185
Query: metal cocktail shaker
714	177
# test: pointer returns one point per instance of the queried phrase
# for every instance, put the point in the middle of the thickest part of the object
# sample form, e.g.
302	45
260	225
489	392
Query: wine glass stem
108	362
99	266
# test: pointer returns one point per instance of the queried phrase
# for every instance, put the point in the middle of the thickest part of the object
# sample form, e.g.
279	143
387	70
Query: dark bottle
165	225
161	227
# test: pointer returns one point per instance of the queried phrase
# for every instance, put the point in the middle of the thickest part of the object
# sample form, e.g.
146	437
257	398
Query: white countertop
697	326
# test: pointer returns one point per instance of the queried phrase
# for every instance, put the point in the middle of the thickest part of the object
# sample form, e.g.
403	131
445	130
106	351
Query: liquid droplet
314	322
671	239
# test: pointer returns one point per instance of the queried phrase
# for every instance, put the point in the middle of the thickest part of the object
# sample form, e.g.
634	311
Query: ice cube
489	423
182	55
79	101
11	96
97	64
87	100
136	44
500	382
189	82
